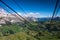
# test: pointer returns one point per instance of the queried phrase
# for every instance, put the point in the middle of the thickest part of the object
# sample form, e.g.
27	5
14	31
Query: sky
35	8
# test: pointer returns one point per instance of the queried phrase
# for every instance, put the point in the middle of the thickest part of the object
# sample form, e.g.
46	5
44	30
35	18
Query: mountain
5	16
43	19
57	19
49	18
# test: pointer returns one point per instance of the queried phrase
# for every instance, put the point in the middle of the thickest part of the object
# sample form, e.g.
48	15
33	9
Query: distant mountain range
6	16
43	19
46	19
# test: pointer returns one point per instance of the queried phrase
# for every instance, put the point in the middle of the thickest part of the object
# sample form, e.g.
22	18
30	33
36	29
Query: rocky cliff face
5	16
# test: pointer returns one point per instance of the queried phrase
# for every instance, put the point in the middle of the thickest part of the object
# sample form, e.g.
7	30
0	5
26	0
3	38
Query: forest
37	31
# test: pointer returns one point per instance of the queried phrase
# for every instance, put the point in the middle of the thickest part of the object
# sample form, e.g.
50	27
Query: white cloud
31	14
35	15
20	13
2	11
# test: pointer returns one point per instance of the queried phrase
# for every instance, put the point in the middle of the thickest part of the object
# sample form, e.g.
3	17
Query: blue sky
44	8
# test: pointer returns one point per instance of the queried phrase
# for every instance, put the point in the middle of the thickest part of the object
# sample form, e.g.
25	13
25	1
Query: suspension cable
54	11
19	15
19	6
12	14
57	12
14	11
